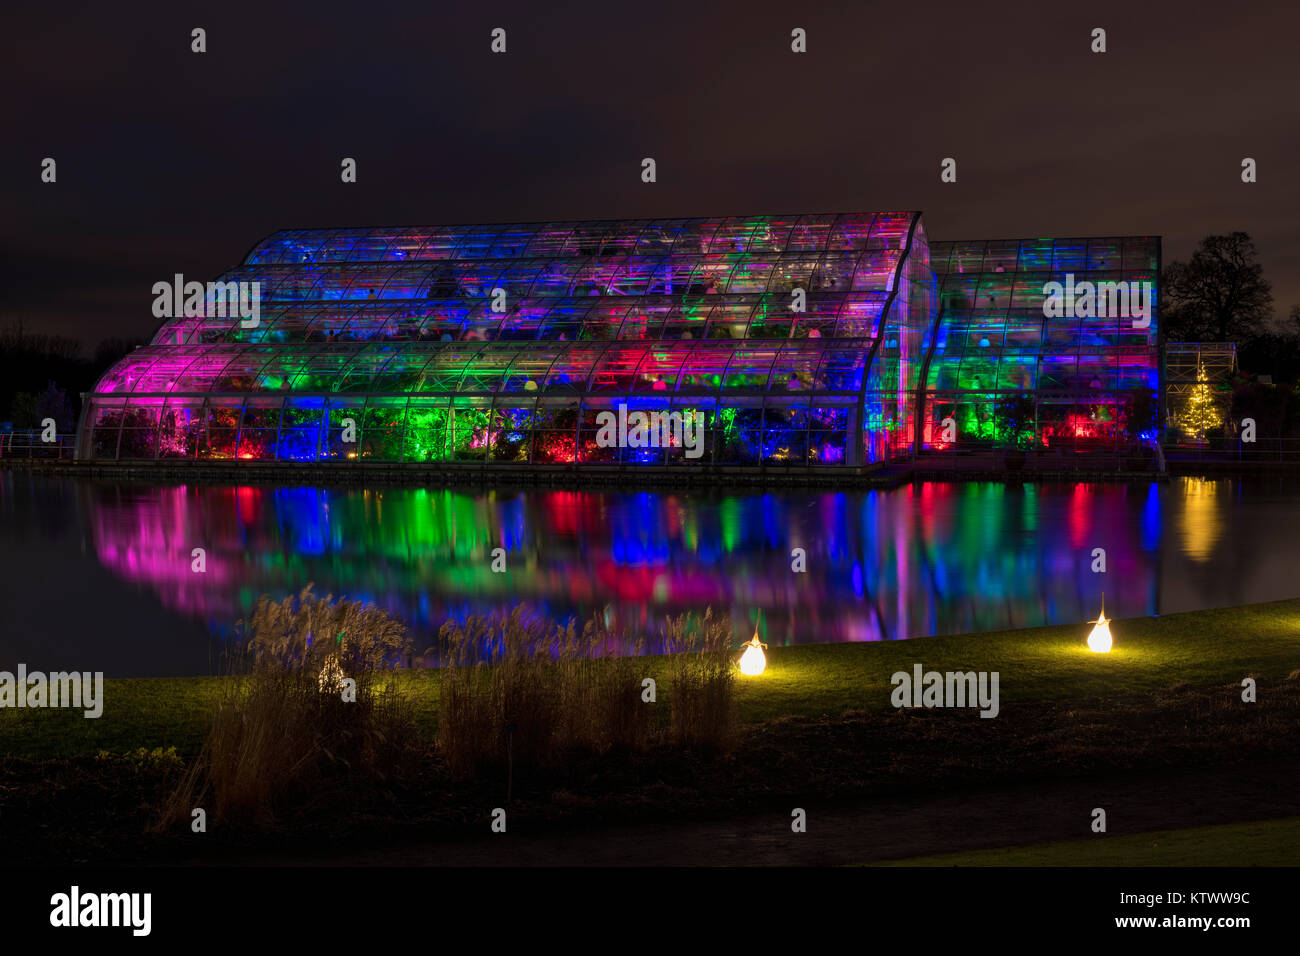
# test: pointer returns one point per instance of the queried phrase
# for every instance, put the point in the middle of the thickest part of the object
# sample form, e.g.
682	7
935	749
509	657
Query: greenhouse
1008	373
819	340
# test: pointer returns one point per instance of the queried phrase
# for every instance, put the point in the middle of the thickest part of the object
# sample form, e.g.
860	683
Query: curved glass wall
782	339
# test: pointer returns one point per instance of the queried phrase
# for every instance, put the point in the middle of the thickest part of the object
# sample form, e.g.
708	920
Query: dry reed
521	691
290	719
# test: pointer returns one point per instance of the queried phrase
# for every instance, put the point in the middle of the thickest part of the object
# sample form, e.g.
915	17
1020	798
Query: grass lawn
1051	663
1045	663
1266	843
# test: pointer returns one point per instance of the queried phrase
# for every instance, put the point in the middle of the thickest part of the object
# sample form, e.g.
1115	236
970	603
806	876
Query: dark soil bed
894	778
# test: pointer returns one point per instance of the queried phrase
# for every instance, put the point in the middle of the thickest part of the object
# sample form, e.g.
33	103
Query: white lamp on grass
1099	638
753	661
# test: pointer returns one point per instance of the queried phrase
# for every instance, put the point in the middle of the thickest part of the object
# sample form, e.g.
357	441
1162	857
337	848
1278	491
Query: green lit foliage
381	432
315	382
469	433
426	434
1014	421
728	418
300	431
740	435
974	422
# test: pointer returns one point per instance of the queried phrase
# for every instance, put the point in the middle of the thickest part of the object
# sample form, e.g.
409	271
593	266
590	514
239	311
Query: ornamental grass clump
701	680
312	697
522	691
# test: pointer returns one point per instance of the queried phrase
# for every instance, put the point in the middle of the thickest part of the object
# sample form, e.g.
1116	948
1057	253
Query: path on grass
879	830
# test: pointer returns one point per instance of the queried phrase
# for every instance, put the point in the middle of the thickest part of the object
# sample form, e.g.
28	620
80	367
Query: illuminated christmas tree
1199	413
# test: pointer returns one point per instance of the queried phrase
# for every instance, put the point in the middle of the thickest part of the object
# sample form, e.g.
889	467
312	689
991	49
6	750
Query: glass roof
851	232
618	279
437	368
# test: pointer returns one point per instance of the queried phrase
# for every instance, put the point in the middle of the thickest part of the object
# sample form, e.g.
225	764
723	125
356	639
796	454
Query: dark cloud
171	162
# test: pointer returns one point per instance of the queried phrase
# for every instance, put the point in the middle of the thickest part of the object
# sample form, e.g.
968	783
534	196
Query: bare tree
1220	295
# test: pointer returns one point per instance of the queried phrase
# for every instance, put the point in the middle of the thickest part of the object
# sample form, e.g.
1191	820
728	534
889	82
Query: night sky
170	161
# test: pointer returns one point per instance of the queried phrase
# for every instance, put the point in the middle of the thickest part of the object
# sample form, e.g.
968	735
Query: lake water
97	576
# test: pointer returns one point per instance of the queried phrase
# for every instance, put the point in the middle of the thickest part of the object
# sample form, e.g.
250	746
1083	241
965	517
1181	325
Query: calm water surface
97	576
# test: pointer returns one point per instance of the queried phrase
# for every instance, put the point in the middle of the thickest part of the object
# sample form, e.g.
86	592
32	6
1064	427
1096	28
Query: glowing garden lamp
1099	638
753	661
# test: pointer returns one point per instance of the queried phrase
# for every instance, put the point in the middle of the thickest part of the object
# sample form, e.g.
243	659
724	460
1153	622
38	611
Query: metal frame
679	311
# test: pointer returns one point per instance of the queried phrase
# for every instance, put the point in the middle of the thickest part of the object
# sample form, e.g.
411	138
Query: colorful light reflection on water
924	559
